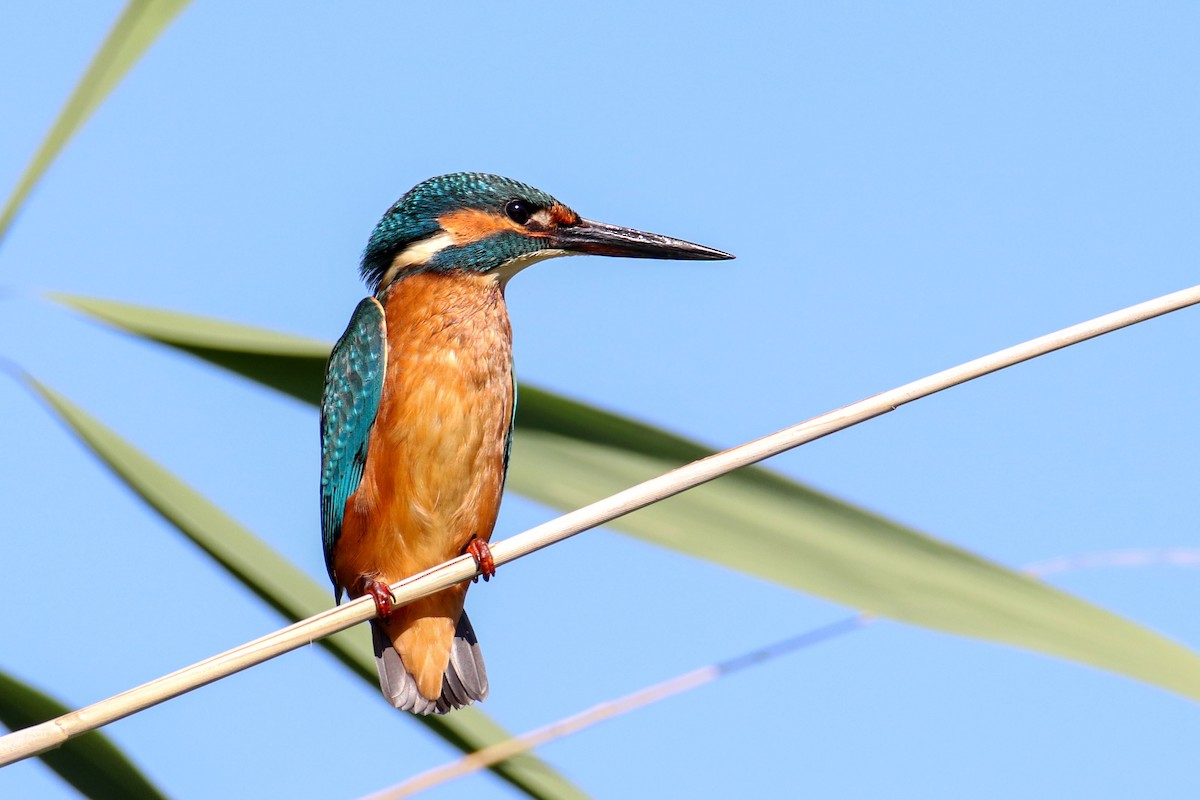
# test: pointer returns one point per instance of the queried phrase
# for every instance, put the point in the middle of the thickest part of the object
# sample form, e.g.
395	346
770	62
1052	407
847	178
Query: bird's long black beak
600	239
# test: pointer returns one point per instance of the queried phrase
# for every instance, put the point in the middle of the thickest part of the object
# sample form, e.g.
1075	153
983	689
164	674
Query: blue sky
905	186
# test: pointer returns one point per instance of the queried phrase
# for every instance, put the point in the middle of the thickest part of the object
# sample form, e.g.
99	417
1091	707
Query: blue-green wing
353	386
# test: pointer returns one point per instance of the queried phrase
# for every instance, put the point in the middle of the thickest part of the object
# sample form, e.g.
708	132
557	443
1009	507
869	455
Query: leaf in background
90	763
291	364
567	454
137	28
278	582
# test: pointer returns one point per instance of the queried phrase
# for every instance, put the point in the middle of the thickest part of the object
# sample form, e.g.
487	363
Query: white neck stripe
416	254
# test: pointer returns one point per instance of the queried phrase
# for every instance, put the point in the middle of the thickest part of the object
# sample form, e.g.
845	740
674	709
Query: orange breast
435	463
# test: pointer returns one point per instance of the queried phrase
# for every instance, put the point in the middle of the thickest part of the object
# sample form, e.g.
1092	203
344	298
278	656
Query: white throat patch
509	268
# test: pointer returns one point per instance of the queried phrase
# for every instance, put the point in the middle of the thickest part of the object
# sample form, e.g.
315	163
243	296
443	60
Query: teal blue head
489	224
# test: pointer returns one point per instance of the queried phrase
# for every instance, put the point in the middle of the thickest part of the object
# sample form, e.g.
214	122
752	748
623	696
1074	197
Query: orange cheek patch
471	225
563	215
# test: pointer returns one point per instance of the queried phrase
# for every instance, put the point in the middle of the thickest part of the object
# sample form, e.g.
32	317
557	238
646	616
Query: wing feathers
353	386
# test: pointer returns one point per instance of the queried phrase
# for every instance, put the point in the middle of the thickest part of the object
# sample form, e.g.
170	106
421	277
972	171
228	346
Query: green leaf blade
801	538
91	763
139	25
290	364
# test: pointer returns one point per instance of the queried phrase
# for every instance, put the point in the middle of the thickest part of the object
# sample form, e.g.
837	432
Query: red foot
478	549
381	594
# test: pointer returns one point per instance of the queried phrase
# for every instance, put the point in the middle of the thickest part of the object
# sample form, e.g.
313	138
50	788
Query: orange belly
435	463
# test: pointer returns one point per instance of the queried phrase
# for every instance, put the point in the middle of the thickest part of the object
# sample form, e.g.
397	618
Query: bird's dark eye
519	211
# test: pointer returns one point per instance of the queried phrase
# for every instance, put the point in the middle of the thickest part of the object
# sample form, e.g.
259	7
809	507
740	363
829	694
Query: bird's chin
511	267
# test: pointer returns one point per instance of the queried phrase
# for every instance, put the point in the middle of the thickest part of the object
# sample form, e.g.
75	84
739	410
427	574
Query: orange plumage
434	470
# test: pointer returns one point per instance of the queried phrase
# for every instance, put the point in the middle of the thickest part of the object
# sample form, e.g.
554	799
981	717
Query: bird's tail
464	681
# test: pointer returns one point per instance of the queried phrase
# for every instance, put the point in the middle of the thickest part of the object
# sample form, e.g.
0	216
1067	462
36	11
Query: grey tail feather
465	680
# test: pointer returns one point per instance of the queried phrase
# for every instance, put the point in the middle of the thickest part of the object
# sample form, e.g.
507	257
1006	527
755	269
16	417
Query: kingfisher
417	411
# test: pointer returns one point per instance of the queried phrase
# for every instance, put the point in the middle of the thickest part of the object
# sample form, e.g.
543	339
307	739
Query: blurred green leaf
136	29
567	454
291	364
278	582
90	763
